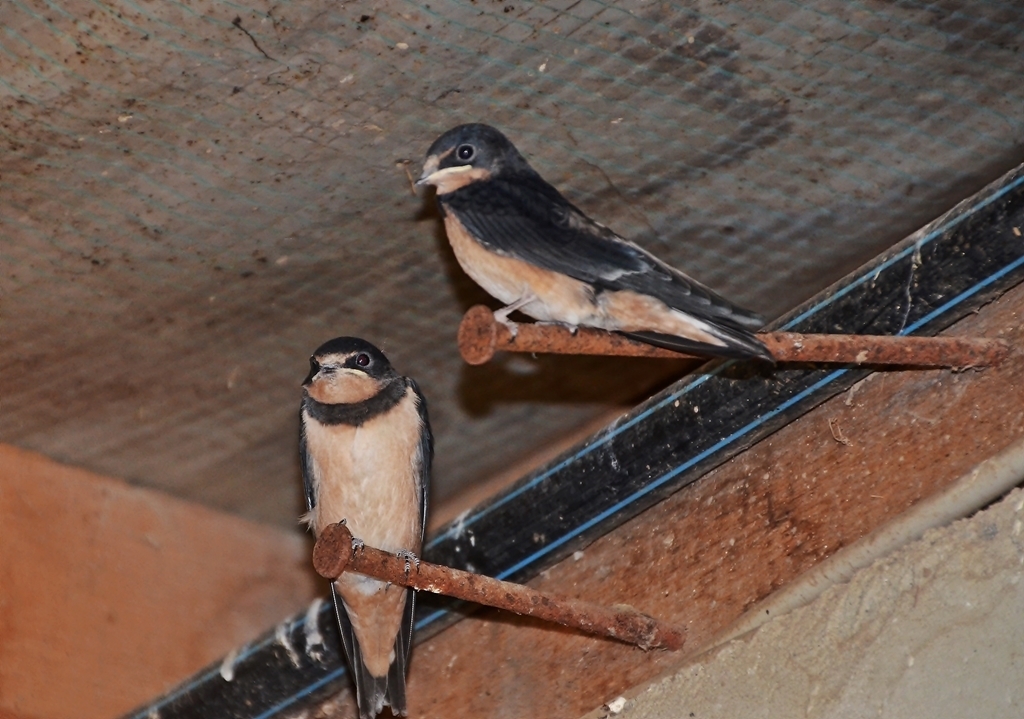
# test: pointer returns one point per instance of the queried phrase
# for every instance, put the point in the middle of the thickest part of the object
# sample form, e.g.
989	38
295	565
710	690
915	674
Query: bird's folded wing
529	220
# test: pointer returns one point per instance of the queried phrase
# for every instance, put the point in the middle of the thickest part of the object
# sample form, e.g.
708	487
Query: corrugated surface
190	204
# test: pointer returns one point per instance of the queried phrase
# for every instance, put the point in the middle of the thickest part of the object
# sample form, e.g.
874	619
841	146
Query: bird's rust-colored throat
334	554
481	336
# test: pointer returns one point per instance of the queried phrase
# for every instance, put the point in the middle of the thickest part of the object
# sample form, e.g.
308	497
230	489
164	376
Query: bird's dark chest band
360	412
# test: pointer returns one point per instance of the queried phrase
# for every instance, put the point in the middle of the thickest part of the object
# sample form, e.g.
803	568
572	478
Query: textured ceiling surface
195	194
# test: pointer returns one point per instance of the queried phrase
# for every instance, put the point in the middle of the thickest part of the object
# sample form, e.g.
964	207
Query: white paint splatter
617	704
281	635
459	525
314	638
227	667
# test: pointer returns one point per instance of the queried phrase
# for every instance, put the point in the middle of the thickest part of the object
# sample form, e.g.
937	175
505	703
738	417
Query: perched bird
366	449
529	247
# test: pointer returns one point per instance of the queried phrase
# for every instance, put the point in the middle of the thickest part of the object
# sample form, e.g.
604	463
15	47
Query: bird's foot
357	544
513	327
573	329
502	314
409	557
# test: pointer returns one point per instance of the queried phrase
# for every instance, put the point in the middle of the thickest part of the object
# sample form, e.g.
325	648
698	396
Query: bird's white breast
370	476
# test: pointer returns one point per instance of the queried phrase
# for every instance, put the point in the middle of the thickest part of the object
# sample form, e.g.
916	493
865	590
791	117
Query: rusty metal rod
480	336
333	554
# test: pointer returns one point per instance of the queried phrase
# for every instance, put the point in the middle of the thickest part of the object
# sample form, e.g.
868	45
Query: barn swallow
366	448
529	247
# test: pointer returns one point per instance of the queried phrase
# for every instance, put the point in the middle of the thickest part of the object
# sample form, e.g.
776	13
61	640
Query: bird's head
469	153
347	370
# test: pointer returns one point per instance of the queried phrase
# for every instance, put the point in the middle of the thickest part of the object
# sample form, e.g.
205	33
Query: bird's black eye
363	359
465	152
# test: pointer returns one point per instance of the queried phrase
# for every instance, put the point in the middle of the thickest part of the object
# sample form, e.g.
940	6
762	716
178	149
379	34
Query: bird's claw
573	329
502	314
513	328
409	557
502	317
357	544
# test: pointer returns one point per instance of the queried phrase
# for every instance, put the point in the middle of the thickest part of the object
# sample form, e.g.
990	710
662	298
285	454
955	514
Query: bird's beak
429	168
316	370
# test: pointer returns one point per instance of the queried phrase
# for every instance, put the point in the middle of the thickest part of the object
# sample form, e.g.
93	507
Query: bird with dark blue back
366	449
529	247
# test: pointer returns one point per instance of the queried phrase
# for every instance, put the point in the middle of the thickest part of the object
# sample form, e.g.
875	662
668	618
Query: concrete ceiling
194	195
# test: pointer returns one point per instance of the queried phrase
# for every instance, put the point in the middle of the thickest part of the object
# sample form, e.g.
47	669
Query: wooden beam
111	594
701	557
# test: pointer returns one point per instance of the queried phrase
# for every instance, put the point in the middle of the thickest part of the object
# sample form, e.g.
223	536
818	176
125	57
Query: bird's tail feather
372	693
741	318
738	344
400	666
370	690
